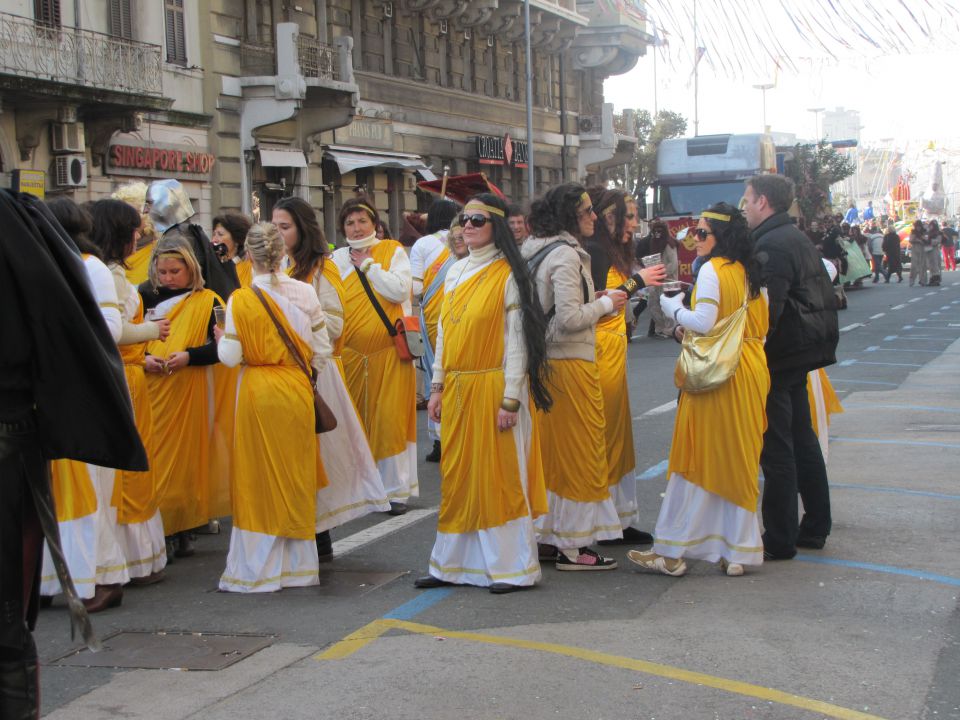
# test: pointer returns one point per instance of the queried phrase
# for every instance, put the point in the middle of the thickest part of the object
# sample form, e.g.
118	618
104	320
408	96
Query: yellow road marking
367	634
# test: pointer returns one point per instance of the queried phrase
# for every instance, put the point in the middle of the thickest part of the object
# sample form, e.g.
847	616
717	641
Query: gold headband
585	198
489	208
373	215
171	256
715	216
608	210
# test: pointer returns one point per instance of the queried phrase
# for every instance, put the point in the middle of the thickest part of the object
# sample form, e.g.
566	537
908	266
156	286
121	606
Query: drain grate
168	651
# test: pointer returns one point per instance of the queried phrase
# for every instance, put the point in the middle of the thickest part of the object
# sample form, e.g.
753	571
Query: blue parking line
654	471
898	491
424	601
883	441
919	574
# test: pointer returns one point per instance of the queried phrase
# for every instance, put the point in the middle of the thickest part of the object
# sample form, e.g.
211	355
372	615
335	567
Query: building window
176	37
47	12
120	23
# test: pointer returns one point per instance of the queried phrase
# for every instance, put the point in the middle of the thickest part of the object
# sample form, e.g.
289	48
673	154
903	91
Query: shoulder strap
534	262
391	330
283	335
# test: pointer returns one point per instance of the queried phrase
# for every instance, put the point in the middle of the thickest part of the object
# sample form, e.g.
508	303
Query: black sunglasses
478	220
703	234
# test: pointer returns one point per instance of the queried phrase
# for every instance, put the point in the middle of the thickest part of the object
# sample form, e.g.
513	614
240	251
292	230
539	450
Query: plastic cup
220	315
651	260
671	288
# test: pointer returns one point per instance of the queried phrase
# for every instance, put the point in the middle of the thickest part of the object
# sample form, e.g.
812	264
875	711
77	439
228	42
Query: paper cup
220	315
651	260
671	288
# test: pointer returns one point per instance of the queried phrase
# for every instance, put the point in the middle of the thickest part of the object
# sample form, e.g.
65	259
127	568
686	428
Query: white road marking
848	328
914	300
899	307
380	530
874	348
935	312
888	338
878	315
658	410
932	292
921	319
846	363
907	327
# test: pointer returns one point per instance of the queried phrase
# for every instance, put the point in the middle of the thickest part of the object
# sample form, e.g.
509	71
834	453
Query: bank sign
152	160
492	150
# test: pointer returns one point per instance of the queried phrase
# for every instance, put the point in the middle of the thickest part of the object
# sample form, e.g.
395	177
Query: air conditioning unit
70	171
67	137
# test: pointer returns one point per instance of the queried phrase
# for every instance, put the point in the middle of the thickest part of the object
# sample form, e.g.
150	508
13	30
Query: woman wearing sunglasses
611	258
709	510
490	364
581	511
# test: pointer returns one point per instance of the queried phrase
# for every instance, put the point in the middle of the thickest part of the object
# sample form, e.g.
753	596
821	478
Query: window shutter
175	32
121	24
47	12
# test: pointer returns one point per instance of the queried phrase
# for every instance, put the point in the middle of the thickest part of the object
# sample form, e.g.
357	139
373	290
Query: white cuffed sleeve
396	283
105	293
229	349
704	314
332	307
515	350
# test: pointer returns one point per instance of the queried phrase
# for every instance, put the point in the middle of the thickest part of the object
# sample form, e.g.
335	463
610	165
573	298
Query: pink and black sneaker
587	559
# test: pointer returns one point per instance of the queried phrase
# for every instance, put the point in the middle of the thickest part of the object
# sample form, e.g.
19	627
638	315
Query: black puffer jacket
803	308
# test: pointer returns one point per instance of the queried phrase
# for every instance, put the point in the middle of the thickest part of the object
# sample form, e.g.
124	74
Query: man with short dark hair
803	336
517	222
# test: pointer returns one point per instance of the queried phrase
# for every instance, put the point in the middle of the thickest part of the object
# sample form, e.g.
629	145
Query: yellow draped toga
275	471
718	435
481	485
382	386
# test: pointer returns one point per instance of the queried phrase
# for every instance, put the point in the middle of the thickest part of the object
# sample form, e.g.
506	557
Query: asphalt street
869	627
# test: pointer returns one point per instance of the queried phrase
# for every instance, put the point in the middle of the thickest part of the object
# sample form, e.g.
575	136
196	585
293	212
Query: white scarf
363	243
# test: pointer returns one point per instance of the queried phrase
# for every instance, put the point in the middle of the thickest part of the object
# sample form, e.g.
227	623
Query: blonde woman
275	450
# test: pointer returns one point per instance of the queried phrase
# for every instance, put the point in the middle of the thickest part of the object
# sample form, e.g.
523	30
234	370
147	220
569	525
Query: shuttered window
176	37
47	12
120	23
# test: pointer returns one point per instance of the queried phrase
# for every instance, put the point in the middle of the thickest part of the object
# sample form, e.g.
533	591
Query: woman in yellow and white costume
383	387
354	487
230	232
180	383
490	345
611	256
134	505
709	511
82	492
574	448
275	448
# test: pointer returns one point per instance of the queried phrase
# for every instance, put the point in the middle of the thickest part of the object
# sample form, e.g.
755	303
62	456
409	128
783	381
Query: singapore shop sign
159	160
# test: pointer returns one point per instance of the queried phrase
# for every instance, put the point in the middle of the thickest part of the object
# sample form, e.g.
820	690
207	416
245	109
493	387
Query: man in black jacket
803	336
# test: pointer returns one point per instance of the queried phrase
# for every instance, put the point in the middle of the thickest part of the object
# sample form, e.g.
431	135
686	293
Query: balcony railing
317	60
78	57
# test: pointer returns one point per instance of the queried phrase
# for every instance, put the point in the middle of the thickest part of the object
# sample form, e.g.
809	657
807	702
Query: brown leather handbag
324	419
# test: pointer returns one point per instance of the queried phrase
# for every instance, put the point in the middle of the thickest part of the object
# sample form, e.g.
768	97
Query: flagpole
696	74
531	180
655	44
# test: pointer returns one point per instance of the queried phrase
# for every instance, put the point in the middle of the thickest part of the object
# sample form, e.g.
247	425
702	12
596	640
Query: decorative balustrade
78	57
317	60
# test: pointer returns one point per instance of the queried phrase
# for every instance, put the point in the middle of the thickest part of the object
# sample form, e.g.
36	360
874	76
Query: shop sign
152	160
493	150
32	182
366	133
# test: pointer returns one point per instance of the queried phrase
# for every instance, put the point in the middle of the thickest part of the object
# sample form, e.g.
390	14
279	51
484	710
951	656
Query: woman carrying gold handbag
709	509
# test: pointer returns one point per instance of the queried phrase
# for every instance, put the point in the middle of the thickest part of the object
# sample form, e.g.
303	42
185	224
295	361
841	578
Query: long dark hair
734	242
440	215
77	222
238	225
556	211
114	223
311	242
615	202
531	313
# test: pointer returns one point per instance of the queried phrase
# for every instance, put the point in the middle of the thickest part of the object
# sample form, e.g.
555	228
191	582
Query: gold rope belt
456	373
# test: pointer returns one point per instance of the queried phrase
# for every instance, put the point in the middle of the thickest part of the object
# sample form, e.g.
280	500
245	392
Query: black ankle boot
434	455
20	683
324	546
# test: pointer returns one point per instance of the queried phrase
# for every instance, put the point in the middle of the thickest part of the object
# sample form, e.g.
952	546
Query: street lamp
816	122
764	87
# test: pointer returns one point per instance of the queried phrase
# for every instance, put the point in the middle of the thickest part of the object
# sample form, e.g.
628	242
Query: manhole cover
168	650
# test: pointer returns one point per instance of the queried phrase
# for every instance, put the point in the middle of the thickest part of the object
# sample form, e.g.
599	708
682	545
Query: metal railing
317	59
78	57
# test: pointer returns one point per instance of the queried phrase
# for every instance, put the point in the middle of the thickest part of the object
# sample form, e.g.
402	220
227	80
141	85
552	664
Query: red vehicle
694	173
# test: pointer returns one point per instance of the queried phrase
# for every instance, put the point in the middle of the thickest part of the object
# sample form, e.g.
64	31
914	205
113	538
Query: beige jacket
560	279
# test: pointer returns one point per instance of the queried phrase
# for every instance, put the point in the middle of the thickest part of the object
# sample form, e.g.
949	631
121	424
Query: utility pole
696	74
531	181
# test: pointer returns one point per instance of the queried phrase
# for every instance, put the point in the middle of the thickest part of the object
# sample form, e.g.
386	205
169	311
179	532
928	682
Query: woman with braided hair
611	266
272	544
709	511
489	370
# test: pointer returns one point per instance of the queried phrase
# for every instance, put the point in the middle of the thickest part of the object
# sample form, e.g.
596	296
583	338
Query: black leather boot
324	546
20	683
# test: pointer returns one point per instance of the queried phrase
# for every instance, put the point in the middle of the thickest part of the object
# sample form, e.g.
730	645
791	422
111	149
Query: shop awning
282	157
349	159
